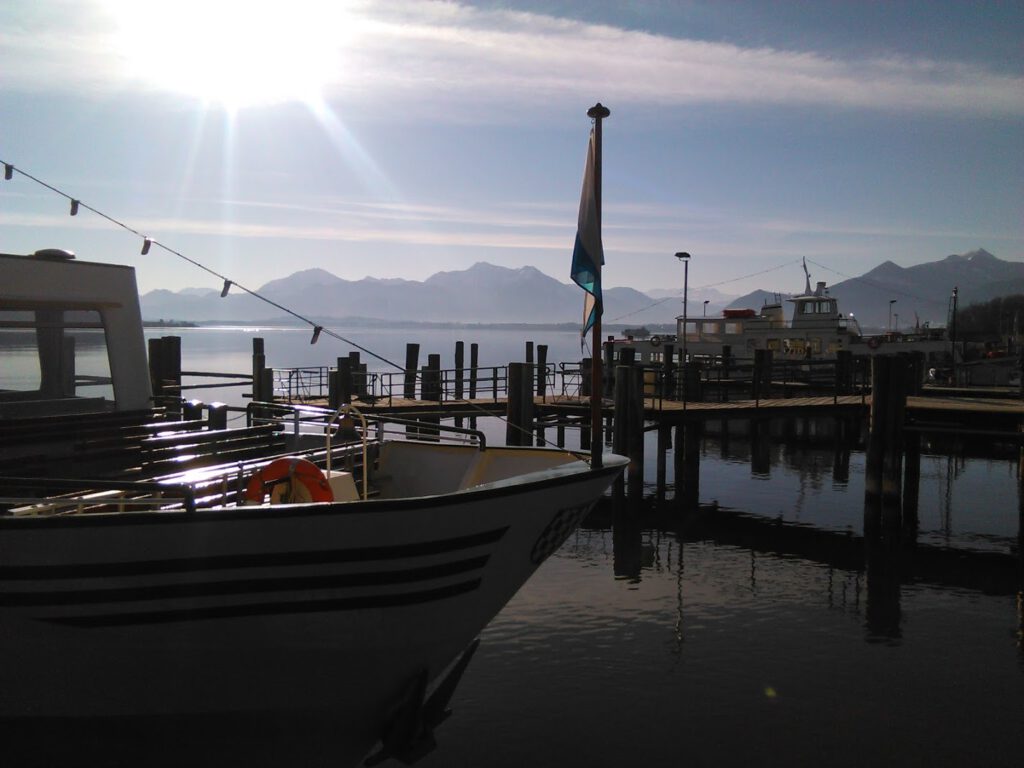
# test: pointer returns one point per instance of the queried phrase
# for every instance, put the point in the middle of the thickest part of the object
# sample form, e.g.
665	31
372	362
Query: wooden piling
895	410
664	441
691	465
474	360
875	449
344	382
628	437
519	408
412	364
460	373
259	362
460	369
542	370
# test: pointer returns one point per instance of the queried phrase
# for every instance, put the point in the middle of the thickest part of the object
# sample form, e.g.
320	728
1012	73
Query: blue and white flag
588	253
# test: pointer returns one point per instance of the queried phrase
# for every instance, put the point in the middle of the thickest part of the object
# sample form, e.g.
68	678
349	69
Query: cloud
453	59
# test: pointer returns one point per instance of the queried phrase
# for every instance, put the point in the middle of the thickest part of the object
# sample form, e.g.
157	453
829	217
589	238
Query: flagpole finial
599	110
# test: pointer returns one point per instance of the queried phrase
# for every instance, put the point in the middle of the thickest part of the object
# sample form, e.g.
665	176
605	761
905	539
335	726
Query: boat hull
298	614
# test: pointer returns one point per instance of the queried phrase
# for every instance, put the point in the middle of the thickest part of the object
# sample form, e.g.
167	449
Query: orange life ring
291	481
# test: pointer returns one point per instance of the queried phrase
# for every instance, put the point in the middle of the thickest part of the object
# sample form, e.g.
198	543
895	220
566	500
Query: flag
588	253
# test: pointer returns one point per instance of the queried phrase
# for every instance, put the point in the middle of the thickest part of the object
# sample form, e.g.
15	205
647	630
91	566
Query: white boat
147	614
817	330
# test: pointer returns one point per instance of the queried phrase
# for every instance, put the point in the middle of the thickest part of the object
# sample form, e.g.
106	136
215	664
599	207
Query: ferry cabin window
52	354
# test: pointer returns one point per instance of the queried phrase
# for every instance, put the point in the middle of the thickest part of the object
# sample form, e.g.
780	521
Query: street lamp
684	257
891	302
706	307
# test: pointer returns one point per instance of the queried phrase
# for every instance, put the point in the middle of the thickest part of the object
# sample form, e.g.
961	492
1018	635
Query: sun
239	53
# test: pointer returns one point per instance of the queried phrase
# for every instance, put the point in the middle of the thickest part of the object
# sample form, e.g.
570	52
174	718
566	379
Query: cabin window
774	344
52	353
815	346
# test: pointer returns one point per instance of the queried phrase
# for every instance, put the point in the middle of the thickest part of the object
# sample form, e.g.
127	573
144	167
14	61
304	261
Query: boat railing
312	384
42	496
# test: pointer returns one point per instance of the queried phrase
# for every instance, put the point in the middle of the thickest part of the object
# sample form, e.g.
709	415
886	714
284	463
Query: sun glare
239	54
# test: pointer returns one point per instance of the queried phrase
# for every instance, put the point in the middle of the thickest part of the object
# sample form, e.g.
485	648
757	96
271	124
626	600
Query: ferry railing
306	384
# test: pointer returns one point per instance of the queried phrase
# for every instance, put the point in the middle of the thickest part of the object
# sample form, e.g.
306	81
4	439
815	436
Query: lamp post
897	327
706	307
684	257
891	302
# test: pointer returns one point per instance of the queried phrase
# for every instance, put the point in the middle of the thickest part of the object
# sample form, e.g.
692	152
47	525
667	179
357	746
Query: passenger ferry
817	330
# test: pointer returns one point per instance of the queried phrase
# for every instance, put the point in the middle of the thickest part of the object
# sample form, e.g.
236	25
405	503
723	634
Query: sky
399	139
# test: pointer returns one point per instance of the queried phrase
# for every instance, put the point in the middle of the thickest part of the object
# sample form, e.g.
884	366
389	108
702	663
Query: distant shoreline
363	322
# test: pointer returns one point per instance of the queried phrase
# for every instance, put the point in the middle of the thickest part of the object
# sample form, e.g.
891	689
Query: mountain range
490	294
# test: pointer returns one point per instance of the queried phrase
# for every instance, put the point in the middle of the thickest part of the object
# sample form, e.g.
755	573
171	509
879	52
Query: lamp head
682	256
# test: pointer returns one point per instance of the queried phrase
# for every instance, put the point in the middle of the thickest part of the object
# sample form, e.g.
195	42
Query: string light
9	170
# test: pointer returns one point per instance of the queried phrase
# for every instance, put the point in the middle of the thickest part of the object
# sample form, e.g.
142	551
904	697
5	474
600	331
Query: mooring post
172	373
892	463
756	376
474	360
460	370
156	369
636	431
432	392
412	364
343	391
217	416
843	370
691	465
529	351
664	440
678	471
875	452
542	370
517	427
620	417
359	377
460	373
259	362
608	369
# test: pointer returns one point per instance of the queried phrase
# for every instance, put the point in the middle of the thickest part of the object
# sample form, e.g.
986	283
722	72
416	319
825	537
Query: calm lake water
656	637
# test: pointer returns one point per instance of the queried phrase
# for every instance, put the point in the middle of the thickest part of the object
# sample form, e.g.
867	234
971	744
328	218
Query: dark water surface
661	638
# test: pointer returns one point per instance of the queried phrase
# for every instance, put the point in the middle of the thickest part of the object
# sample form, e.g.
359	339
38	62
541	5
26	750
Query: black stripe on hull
242	586
279	608
255	560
